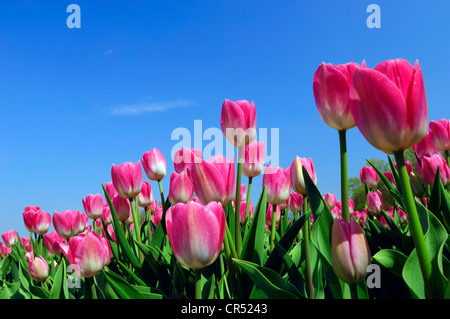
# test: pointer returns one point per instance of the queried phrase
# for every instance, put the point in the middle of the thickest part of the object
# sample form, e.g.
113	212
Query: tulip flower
10	238
145	197
110	230
154	164
156	217
109	186
184	158
36	220
26	243
52	241
331	88
196	232
375	203
214	180
430	163
93	205
369	175
153	206
298	182
180	189
68	222
270	218
330	200
243	212
238	122
106	214
277	181
440	134
295	202
127	179
122	207
425	146
390	177
253	159
87	253
389	105
39	269
350	252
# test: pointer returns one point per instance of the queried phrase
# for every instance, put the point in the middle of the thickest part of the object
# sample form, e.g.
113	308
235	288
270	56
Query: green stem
306	232
414	222
344	175
247	205
198	283
237	208
161	192
89	289
274	228
137	226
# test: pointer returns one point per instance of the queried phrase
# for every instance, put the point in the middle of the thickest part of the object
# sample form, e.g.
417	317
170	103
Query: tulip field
203	237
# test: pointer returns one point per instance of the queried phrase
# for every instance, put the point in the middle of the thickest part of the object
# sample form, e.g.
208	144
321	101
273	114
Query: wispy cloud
109	52
146	106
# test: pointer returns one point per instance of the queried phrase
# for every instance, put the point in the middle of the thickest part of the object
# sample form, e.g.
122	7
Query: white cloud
148	107
109	52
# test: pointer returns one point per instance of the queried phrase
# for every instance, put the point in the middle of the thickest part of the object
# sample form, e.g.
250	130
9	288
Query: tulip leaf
439	203
36	292
393	260
59	288
295	277
120	235
10	290
269	281
394	192
123	289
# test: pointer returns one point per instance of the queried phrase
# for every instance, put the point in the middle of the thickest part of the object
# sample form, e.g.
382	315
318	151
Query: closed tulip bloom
180	189
430	163
4	250
389	105
196	232
110	230
440	134
409	168
157	215
375	203
350	252
106	214
331	88
369	175
425	146
242	210
69	221
153	206
184	158
298	182
277	181
127	179
87	253
52	241
214	180
145	197
10	238
390	177
122	207
330	200
26	243
253	159
109	186
269	215
36	220
238	122
154	164
295	202
39	269
93	205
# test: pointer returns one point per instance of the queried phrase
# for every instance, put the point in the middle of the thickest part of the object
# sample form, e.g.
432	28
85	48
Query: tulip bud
369	175
298	182
39	269
93	206
127	179
269	215
145	197
122	207
375	203
106	214
295	202
243	207
10	237
238	122
350	252
430	163
440	134
330	200
180	189
253	159
69	221
52	241
277	181
425	146
154	164
196	232
184	158
36	220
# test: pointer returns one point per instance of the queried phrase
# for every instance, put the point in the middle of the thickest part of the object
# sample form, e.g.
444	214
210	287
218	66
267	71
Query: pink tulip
106	214
269	215
253	159
127	179
36	220
109	186
10	238
330	200
430	163
389	105
383	221
4	250
214	180
180	189
52	241
87	253
375	203
331	87
69	221
440	134
369	175
153	206
285	204
110	230
238	122
390	177
145	197
196	232
409	168
156	217
277	181
184	158
243	208
26	243
425	146
39	269
295	202
93	205
350	252
154	164
122	207
298	182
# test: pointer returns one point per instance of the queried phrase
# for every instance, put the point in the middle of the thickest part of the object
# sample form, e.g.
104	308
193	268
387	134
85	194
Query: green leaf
273	285
36	292
295	277
123	289
10	290
392	260
394	192
59	289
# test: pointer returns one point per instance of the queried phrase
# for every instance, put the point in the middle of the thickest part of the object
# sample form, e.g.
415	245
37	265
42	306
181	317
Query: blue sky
75	101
